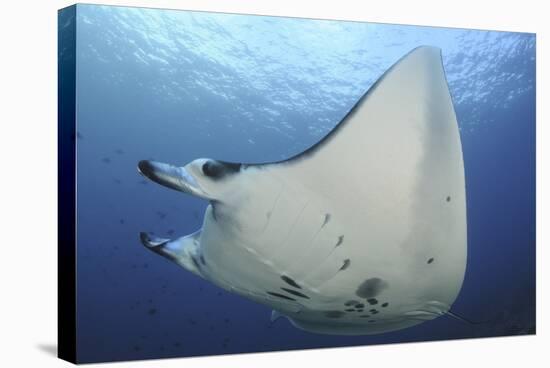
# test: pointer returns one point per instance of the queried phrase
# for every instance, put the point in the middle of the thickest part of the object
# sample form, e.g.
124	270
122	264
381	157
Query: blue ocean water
175	86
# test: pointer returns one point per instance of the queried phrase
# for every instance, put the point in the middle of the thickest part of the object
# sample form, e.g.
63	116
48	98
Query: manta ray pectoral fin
174	177
182	251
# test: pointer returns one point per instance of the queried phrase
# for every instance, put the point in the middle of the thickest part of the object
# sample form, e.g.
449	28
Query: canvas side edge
66	187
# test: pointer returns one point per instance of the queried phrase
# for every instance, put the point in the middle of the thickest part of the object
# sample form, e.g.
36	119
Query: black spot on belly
371	287
290	281
334	314
340	240
345	265
364	316
351	302
350	310
202	260
448	198
359	305
385	305
373	311
372	301
294	292
281	296
430	260
372	320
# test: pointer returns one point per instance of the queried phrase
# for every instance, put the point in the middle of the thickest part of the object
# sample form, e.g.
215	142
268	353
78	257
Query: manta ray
362	233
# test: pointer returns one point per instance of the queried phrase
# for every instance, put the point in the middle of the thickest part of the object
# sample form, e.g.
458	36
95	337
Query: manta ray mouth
173	177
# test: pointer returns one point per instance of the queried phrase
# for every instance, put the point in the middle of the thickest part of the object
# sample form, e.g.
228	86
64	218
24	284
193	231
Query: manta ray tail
465	320
183	251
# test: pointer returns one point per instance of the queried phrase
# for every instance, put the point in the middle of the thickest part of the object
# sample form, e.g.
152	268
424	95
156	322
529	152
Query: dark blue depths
175	86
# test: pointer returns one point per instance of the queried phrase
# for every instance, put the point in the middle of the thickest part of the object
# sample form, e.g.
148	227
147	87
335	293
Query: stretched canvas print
238	183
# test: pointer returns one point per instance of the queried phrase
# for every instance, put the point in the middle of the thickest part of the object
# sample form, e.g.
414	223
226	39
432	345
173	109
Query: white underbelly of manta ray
363	233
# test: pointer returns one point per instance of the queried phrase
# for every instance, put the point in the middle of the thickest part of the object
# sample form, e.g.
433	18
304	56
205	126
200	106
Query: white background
28	169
